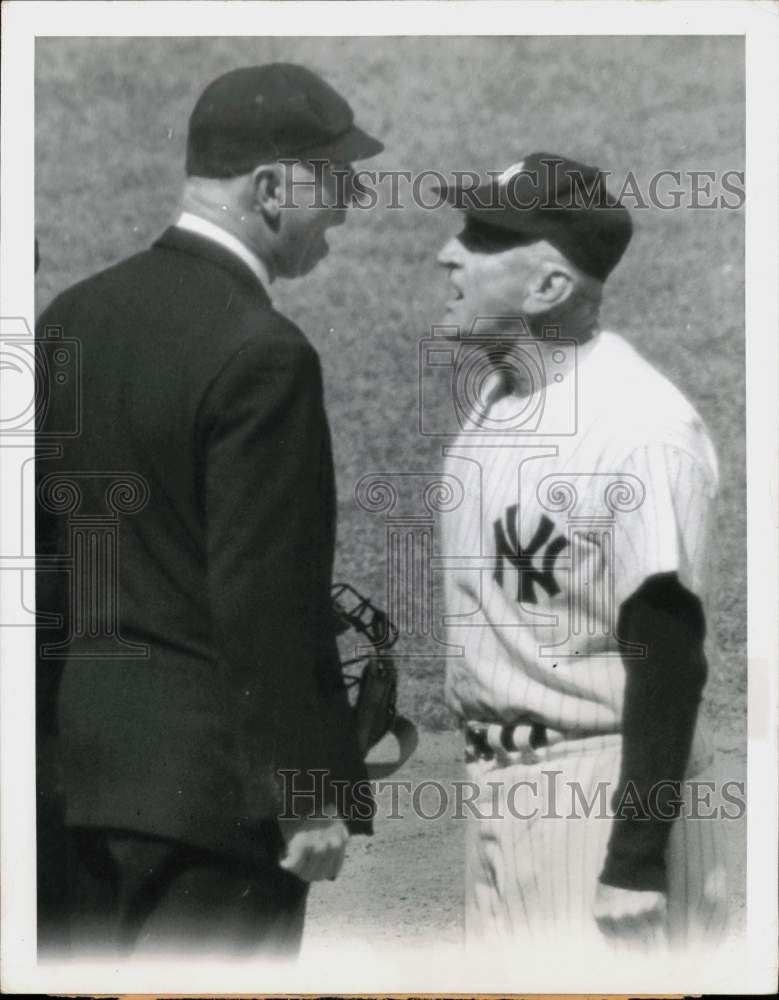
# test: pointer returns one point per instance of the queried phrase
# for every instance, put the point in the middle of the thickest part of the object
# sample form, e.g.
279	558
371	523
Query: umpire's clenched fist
315	847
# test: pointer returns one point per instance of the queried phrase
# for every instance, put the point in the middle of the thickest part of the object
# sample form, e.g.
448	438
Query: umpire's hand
631	915
315	847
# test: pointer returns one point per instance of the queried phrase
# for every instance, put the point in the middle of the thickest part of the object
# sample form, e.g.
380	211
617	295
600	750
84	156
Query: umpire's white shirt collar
210	230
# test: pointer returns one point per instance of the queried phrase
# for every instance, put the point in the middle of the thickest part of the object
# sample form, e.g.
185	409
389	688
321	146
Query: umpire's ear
267	192
549	288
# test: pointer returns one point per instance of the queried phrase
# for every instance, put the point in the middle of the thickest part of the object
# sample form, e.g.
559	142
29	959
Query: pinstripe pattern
557	657
555	531
532	880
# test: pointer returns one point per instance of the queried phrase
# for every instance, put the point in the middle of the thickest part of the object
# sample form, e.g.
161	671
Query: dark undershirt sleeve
662	694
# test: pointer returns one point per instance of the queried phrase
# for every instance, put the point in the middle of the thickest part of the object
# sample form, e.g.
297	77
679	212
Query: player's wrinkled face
313	204
486	284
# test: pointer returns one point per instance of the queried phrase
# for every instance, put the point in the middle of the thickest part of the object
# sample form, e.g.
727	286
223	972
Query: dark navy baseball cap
548	197
259	114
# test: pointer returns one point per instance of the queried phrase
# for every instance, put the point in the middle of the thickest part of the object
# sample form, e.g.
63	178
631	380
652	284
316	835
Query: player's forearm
662	695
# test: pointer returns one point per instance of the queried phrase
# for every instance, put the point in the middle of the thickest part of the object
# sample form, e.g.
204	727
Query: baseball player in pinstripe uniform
576	587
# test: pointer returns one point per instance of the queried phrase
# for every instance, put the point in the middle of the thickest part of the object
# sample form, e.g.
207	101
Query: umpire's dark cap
265	113
546	197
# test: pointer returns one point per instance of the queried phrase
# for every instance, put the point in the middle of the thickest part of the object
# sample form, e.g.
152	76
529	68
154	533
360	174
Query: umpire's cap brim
354	144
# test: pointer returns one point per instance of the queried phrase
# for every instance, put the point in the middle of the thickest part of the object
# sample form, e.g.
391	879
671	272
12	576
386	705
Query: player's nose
450	254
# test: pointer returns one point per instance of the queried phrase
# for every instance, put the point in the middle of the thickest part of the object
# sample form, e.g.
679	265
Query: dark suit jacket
193	384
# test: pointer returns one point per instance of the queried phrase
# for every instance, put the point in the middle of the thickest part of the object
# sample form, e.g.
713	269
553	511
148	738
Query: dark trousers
132	895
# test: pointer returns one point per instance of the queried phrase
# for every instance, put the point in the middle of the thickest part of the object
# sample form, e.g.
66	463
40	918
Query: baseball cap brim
569	207
486	204
458	195
354	144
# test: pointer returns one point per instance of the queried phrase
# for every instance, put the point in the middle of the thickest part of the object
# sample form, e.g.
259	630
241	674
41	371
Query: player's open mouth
457	293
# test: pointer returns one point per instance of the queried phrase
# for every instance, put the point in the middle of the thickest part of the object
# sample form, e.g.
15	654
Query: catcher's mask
366	635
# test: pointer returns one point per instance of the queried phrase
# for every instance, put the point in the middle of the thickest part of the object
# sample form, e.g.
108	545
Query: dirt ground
403	887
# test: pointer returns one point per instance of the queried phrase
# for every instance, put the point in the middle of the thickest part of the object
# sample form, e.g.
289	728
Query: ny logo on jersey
507	548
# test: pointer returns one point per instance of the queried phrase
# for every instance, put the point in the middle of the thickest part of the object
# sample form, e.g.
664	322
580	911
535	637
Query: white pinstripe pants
532	881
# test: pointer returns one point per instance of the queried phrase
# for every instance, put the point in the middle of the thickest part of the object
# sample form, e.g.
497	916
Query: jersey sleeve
667	525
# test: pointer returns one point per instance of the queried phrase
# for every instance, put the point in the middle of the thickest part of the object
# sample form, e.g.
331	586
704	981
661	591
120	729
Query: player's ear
549	289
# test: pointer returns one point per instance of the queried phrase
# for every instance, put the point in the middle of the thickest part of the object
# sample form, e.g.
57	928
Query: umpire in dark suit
185	540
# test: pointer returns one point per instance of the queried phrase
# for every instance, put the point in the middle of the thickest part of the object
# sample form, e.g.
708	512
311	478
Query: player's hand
631	915
315	847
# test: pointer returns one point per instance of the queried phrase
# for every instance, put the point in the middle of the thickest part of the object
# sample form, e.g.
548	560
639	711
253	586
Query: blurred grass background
111	118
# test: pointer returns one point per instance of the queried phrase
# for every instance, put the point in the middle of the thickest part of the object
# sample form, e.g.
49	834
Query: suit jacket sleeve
269	514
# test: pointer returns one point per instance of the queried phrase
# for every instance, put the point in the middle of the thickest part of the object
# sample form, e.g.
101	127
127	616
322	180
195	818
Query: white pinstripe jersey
556	530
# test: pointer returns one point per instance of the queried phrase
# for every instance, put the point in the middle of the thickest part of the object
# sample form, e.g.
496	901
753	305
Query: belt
485	740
